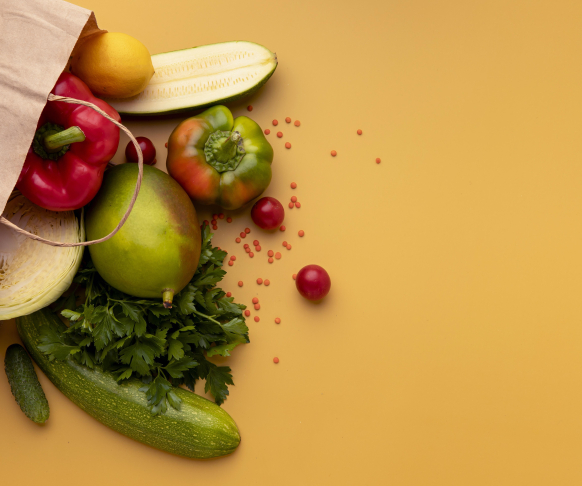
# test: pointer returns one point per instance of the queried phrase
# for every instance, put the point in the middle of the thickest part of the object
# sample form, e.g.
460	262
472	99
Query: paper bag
37	38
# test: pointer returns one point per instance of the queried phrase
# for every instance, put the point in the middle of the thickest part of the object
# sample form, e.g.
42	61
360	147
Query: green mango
156	252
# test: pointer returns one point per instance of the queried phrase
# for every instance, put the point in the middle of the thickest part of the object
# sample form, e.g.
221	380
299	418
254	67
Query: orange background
448	351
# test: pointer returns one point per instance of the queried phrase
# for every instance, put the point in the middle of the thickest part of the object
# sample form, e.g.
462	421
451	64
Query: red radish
268	213
313	282
147	147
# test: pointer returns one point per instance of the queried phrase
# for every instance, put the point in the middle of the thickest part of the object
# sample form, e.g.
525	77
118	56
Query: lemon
113	65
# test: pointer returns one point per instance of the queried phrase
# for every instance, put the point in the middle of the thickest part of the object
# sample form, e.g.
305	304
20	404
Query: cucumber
201	76
24	384
201	429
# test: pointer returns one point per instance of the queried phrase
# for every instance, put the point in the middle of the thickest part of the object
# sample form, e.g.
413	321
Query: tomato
268	213
313	282
147	147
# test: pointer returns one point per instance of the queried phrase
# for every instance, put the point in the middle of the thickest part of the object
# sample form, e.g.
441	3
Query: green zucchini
201	429
201	76
24	384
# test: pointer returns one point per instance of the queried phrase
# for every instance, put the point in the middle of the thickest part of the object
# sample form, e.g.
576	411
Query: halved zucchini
201	76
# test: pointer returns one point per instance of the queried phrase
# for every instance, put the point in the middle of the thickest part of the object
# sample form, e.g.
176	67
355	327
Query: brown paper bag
37	38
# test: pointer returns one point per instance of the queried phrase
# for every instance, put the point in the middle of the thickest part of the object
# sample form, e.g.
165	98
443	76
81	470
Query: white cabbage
32	274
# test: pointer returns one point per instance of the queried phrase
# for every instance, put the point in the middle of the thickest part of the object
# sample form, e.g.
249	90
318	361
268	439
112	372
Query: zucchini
24	384
201	429
201	76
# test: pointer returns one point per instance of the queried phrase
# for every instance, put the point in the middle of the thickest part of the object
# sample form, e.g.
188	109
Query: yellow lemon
113	65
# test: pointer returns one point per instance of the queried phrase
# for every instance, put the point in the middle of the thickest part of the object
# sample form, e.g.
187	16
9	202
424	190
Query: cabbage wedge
32	274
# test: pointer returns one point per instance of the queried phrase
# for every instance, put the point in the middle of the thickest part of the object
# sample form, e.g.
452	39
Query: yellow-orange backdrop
448	352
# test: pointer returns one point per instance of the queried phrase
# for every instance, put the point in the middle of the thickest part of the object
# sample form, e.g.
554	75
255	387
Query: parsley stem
207	317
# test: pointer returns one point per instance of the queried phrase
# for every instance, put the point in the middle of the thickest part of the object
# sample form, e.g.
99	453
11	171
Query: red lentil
267	131
259	281
297	204
237	240
267	282
282	228
301	233
287	145
297	123
257	306
275	360
243	234
247	230
246	245
166	145
378	160
293	198
247	249
275	123
247	313
229	220
230	263
214	227
257	318
294	276
229	294
359	132
280	134
284	243
240	283
289	246
278	256
221	216
333	153
215	216
270	253
251	254
255	300
250	107
205	222
258	248
277	320
256	242
293	185
288	120
233	257
271	260
291	205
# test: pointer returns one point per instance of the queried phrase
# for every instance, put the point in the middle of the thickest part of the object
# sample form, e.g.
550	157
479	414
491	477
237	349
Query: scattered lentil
293	185
278	256
257	318
229	220
240	283
233	257
247	313
258	248
275	123
271	260
257	306
243	234
378	160
259	281
293	198
250	107
288	120
359	132
284	243
301	233
282	228
294	276
229	294
255	300
297	123
267	131
267	282
291	205
166	145
247	230
247	249
287	145
221	216
333	153
270	253
297	204
280	134
275	360
230	263
289	246
251	254
277	320
256	242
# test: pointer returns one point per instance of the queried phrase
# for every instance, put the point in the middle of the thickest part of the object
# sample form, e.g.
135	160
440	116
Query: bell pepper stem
228	148
55	140
167	297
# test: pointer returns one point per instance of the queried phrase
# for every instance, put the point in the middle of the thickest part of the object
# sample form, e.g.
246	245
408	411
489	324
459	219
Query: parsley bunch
136	337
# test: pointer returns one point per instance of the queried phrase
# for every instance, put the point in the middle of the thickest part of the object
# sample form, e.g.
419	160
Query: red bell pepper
70	151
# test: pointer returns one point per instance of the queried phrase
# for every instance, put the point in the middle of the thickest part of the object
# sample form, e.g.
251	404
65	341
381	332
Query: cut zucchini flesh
201	76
